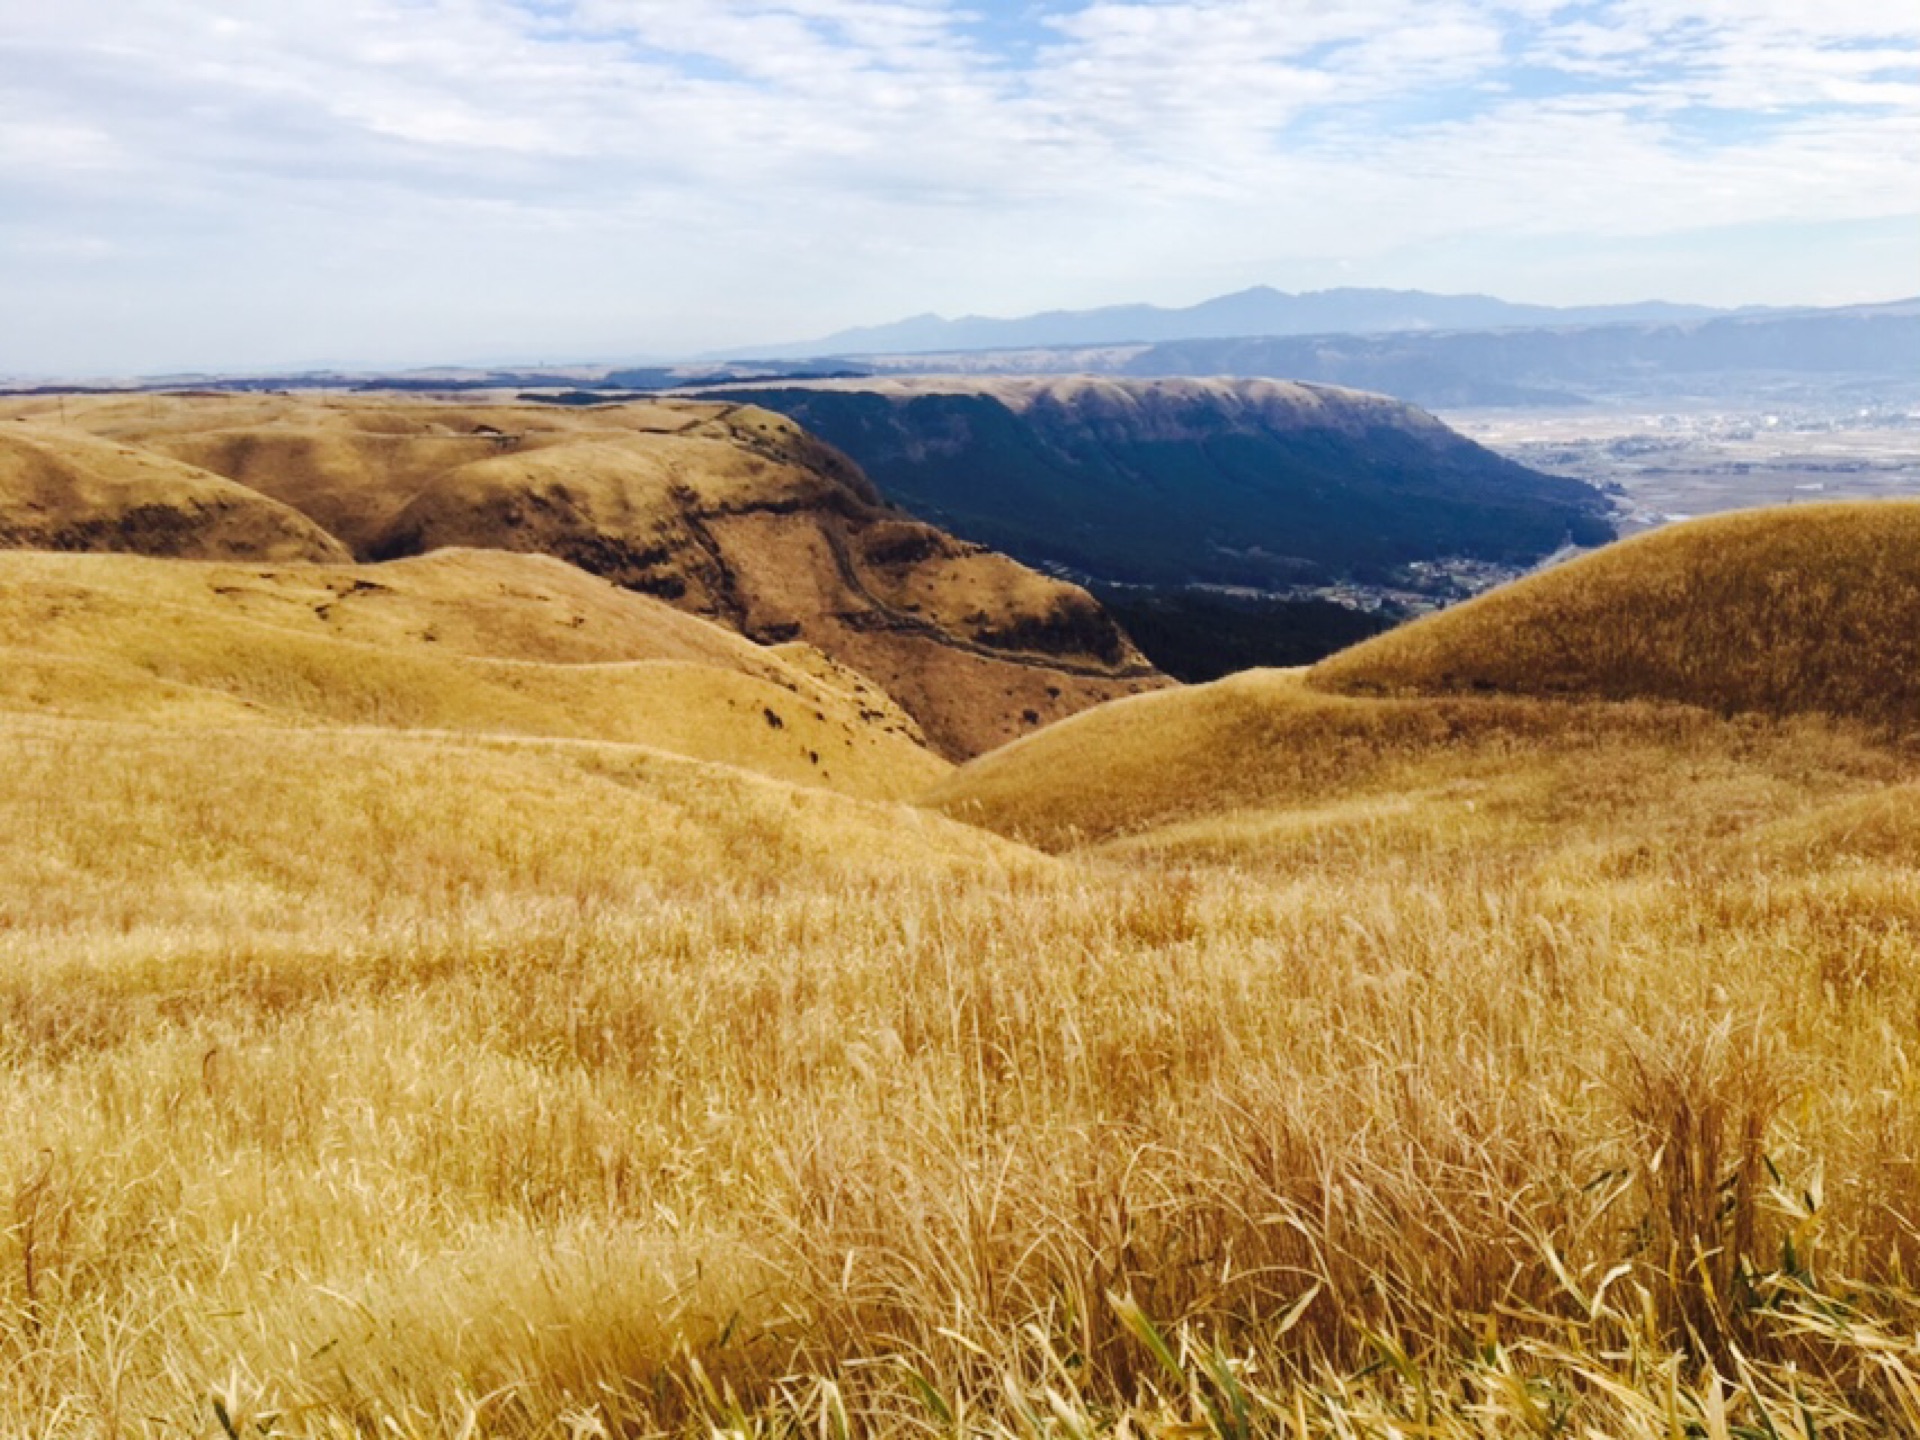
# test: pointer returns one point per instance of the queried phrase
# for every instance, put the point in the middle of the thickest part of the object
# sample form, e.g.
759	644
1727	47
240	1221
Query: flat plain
1679	461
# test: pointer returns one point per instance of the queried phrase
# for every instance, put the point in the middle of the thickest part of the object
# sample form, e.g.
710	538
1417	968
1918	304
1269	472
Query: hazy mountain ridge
1460	351
1467	352
1260	310
1555	365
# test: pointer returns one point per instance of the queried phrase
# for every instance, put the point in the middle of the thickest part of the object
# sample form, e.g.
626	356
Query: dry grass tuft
1701	1100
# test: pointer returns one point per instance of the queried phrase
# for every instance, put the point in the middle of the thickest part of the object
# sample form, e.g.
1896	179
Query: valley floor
1672	460
365	1082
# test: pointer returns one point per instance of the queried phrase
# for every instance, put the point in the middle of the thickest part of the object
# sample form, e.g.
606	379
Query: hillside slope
1260	770
64	490
1704	670
294	861
1258	741
725	511
1253	483
1801	608
464	642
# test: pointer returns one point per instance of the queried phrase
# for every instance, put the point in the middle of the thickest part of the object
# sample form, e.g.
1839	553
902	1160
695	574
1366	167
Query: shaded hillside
461	641
727	512
1801	608
1196	635
1171	482
62	490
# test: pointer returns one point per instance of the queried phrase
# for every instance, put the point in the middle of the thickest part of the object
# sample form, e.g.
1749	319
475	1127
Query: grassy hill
178	843
727	512
1809	608
460	641
1267	743
61	490
1660	643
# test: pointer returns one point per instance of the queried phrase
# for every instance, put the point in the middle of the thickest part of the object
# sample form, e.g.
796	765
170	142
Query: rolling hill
1673	657
1171	482
322	845
1266	744
460	642
65	491
727	512
1805	608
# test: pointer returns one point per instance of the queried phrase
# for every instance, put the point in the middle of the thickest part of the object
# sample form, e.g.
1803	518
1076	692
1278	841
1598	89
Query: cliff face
725	511
1244	482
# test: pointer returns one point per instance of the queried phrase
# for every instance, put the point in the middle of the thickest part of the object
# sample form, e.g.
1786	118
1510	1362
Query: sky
262	184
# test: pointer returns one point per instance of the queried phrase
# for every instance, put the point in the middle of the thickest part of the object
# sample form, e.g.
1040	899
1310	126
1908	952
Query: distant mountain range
1558	365
1639	352
1437	351
1261	310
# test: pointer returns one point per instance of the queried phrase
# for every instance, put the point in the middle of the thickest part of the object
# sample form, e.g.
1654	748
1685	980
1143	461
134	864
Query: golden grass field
394	1051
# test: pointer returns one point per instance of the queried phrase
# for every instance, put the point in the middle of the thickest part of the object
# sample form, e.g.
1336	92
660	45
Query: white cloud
645	174
55	148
